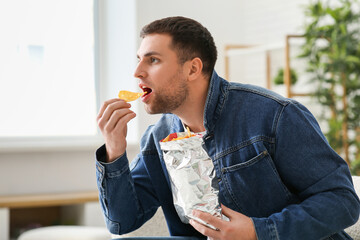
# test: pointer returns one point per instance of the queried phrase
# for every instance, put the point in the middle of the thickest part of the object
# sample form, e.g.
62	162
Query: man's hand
240	227
112	119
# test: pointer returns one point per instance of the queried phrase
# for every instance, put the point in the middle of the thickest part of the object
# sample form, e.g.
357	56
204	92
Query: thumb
227	211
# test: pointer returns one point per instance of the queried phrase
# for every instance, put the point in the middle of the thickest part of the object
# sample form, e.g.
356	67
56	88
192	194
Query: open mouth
146	90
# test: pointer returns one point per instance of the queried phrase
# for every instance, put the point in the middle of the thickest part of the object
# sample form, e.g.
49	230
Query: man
278	177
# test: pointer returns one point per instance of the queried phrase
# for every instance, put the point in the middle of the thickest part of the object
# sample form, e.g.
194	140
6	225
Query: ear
195	67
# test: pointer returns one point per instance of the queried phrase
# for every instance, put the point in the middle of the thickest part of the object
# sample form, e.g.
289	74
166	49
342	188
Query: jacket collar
214	102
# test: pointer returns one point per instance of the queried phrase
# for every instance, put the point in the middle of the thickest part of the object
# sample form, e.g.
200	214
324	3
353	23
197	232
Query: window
47	70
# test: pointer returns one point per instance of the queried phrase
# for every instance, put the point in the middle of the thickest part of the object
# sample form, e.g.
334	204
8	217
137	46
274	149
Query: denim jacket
271	159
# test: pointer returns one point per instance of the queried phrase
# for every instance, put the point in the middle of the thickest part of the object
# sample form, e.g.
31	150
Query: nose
139	71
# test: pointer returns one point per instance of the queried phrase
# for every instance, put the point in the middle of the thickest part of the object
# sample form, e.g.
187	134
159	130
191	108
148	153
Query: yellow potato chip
129	96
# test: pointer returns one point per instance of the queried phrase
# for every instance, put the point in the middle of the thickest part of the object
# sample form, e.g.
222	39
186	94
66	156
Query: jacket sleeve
320	178
126	194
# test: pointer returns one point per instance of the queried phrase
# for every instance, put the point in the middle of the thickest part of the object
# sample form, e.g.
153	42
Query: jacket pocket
255	185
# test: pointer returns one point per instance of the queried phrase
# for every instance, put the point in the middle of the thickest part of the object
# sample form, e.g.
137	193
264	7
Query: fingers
109	106
107	110
104	106
239	227
113	118
208	218
204	230
118	118
227	211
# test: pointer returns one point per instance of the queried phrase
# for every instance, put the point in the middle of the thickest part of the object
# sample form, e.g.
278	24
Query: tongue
147	91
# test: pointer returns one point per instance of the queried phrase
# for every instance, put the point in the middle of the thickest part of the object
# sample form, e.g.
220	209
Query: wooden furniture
236	50
287	78
8	203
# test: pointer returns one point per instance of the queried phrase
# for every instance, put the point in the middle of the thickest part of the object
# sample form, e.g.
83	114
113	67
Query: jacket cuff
265	229
114	166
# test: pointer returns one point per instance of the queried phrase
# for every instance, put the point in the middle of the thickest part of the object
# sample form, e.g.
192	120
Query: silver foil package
192	176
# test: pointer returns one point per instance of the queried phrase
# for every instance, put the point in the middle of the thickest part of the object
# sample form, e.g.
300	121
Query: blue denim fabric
271	159
158	238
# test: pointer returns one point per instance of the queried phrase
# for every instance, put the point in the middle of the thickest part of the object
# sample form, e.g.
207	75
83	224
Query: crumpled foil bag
192	176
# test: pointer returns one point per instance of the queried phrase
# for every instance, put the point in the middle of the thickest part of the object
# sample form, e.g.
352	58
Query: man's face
161	75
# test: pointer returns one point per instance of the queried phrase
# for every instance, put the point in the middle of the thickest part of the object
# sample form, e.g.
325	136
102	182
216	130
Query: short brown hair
190	39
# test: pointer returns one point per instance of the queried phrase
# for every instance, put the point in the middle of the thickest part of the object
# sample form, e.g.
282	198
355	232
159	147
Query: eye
154	60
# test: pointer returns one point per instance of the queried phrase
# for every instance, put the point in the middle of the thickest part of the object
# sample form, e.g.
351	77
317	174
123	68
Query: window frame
69	143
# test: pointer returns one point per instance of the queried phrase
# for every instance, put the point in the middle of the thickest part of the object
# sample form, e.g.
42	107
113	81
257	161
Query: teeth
145	89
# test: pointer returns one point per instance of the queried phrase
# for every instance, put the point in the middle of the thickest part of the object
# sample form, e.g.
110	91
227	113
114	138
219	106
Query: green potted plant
332	50
279	78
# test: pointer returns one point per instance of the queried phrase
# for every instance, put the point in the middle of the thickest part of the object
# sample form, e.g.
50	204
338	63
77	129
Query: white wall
231	21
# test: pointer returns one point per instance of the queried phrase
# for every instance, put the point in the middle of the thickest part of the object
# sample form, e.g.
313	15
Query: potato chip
178	136
188	131
129	96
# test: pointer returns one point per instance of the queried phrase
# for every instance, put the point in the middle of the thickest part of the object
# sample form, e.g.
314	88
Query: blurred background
59	60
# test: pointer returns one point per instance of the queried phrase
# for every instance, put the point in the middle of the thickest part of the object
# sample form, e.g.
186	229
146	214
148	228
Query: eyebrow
148	54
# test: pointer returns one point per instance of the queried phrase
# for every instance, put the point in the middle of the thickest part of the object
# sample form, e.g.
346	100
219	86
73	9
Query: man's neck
191	112
195	127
